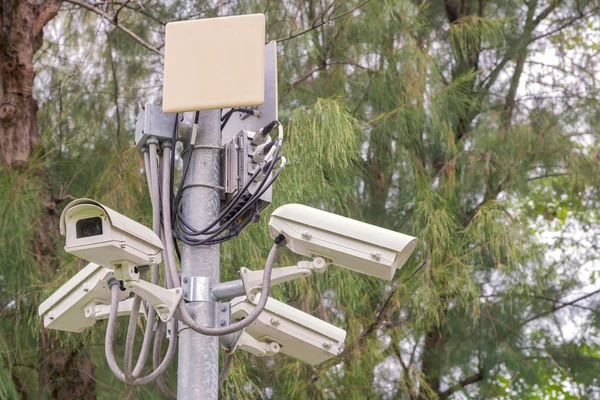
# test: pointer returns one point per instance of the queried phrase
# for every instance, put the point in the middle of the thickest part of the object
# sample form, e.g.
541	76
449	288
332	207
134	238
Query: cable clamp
152	140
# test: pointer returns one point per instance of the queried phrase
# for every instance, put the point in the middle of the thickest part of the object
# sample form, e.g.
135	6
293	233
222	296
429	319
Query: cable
229	223
130	374
190	231
154	184
183	313
185	317
228	114
147	170
223	213
109	338
225	369
185	227
172	173
169	259
160	382
245	208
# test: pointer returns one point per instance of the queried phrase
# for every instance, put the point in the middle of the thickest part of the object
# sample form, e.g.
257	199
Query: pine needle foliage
447	120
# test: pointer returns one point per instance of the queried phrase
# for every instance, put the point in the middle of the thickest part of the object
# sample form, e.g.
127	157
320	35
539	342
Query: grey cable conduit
109	351
183	314
133	317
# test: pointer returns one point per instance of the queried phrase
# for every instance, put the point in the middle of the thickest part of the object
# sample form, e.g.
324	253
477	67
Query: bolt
306	235
185	295
274	321
123	246
223	308
185	280
222	322
327	345
86	289
51	318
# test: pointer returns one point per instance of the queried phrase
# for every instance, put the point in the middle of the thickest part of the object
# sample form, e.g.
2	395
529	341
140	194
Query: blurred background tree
469	124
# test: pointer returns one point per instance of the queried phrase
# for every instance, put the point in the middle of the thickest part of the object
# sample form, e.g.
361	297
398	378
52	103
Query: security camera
101	235
282	328
83	300
351	244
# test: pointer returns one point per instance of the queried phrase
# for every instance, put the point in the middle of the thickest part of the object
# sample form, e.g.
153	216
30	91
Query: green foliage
398	114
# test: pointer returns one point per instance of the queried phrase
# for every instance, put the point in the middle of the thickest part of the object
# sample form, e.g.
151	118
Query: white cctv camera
282	328
83	300
351	244
98	234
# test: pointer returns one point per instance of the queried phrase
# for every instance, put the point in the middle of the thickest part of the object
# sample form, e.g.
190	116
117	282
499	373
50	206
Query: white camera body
342	241
101	235
83	300
282	328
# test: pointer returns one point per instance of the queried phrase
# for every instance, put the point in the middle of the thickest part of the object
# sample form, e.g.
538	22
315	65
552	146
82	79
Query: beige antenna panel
214	63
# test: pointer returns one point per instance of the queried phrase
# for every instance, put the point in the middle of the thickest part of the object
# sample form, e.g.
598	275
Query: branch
116	24
465	382
44	13
519	45
320	68
565	25
323	22
562	305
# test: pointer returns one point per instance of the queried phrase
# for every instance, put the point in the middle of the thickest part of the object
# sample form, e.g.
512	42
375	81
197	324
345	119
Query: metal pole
198	363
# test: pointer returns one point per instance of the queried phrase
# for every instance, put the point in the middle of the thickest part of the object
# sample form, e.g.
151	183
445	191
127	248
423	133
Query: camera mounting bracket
164	301
252	280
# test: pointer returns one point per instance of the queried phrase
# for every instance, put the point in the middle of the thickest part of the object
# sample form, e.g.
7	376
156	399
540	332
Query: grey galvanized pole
198	363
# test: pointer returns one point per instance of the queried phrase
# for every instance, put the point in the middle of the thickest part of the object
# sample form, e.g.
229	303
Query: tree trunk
431	364
64	371
18	125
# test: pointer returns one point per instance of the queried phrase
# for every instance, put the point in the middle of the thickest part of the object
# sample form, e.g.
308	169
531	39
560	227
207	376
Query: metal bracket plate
268	110
196	288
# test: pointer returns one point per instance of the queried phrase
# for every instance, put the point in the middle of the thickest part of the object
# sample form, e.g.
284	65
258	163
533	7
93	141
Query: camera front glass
88	227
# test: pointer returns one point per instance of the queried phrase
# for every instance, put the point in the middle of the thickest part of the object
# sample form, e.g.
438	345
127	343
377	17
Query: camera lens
88	227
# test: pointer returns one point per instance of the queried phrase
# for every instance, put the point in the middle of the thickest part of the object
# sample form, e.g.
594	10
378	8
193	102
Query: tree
445	120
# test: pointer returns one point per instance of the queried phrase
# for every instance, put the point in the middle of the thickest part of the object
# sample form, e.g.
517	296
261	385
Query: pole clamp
196	288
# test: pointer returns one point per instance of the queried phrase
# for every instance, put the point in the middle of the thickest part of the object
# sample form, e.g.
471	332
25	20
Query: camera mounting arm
101	311
252	280
247	343
164	301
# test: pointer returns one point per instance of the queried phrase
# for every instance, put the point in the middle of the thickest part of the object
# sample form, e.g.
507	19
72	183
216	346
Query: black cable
223	213
213	239
191	231
251	201
228	114
235	224
186	166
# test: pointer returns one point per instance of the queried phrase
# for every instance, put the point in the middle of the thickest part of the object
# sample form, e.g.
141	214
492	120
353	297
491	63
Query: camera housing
82	300
342	241
101	235
282	328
